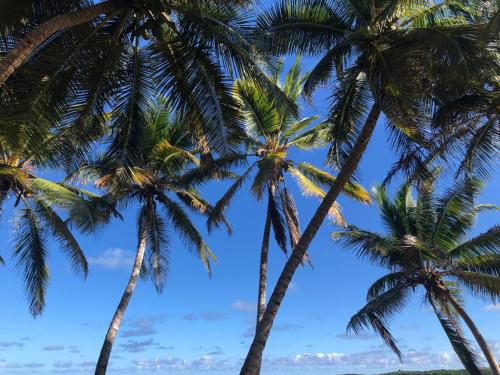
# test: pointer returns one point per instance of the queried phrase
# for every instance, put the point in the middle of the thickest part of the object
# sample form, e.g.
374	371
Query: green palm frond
385	283
217	213
187	230
299	125
351	189
299	26
394	214
487	264
459	343
377	248
278	218
350	107
269	169
377	313
153	227
86	210
128	115
292	217
61	232
455	212
30	249
485	244
309	188
480	284
219	168
258	109
315	137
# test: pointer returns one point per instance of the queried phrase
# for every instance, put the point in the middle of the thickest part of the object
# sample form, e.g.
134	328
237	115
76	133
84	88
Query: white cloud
492	307
245	306
378	358
201	364
113	259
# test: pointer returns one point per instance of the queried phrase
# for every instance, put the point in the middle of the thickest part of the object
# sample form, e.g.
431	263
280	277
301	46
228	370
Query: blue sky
203	325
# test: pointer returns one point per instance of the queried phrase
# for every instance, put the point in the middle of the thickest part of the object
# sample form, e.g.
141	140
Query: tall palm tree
163	151
272	131
426	246
388	57
64	62
44	209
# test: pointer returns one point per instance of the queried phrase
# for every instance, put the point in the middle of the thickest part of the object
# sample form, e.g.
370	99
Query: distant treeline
436	372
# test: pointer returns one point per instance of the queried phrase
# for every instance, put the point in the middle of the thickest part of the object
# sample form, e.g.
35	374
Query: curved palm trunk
42	32
477	335
253	360
107	346
264	255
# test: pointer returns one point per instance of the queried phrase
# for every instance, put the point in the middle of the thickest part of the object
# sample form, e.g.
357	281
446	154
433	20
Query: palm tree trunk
42	32
102	362
253	360
264	255
477	335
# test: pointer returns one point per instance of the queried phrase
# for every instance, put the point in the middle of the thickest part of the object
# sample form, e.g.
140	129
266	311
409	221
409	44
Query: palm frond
278	218
157	244
217	213
258	109
485	244
459	343
60	231
385	283
309	188
298	26
378	312
480	284
30	249
188	232
351	189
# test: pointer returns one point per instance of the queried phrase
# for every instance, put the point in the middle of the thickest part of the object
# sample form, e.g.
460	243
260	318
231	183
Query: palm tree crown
115	54
426	246
49	209
271	132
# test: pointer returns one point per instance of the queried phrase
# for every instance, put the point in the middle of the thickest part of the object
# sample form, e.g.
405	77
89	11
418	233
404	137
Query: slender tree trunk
264	255
253	360
42	32
107	346
477	335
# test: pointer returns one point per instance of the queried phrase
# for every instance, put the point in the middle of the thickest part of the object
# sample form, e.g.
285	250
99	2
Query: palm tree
426	246
163	150
44	209
63	63
272	131
389	57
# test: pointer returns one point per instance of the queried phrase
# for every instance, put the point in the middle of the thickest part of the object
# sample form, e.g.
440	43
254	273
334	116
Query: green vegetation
437	372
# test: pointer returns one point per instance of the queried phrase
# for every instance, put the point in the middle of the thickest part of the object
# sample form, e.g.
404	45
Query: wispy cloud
362	336
113	259
63	364
144	326
246	306
137	346
53	347
11	344
492	307
206	315
15	365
